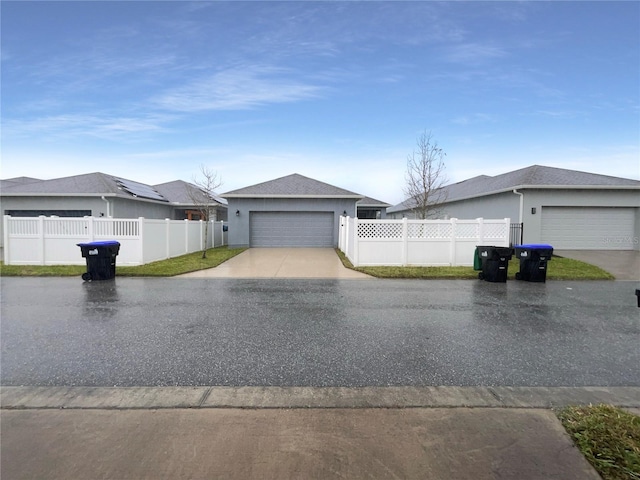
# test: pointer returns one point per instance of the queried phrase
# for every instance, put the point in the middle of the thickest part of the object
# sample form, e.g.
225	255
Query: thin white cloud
237	89
473	53
72	125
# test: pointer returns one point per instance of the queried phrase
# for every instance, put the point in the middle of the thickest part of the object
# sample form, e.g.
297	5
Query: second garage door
291	229
588	228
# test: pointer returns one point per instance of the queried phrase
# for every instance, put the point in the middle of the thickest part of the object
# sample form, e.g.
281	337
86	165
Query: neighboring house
289	211
98	195
568	209
370	208
188	201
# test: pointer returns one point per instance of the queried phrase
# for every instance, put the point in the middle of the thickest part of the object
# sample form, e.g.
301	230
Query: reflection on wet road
127	332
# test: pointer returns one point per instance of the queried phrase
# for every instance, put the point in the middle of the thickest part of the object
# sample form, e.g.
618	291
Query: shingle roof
178	192
529	177
12	182
371	202
90	184
292	186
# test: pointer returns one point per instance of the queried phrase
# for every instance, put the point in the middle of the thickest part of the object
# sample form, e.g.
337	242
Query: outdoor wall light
533	210
237	213
344	213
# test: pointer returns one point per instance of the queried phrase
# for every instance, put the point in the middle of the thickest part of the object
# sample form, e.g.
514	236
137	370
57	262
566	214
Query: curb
123	398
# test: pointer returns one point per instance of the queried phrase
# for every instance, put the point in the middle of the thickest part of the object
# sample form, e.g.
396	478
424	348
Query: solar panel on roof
140	190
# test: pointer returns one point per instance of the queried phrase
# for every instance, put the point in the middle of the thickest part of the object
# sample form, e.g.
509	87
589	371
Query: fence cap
104	243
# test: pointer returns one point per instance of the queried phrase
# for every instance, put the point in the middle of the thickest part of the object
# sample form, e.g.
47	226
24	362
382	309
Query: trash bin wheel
518	276
86	276
481	275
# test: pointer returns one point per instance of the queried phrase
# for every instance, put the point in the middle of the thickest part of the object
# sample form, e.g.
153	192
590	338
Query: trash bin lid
545	246
104	243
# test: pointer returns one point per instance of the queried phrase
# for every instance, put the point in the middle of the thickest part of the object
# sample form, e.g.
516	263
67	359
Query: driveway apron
622	264
282	263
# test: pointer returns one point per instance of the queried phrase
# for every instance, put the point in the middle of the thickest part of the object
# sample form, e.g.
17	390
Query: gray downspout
108	206
521	204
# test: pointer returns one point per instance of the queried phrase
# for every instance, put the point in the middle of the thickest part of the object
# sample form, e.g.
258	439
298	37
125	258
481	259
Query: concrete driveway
282	263
622	264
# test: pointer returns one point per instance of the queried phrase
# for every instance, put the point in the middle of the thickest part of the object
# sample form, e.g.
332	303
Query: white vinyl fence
53	240
418	242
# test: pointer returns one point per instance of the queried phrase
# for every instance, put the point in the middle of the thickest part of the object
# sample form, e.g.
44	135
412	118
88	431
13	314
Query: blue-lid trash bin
100	258
533	261
493	262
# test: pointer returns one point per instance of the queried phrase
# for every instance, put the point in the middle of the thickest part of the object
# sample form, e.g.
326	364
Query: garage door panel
291	229
588	228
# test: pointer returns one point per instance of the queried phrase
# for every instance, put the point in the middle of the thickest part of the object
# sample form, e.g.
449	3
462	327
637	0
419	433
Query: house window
48	213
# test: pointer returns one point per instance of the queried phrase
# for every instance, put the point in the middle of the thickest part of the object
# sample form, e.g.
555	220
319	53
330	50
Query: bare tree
425	178
202	194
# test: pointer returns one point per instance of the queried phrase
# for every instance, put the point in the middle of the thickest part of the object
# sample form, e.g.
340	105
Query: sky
336	91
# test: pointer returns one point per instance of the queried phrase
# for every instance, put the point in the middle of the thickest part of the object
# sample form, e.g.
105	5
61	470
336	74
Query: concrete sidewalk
281	263
297	432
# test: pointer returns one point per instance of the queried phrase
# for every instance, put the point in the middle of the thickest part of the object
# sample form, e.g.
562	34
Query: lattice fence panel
379	230
429	230
467	230
496	230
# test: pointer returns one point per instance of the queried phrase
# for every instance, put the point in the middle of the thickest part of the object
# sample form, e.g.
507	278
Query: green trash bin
495	262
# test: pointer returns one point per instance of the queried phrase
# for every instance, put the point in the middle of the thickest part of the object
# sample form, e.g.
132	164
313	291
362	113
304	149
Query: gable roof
535	176
292	186
178	192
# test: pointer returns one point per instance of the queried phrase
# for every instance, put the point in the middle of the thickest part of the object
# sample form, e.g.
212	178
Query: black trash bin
101	259
494	262
533	261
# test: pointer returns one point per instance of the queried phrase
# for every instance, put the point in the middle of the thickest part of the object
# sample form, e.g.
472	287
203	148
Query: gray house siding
239	225
539	199
501	205
122	208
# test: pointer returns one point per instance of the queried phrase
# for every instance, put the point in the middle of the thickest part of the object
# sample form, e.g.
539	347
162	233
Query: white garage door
588	228
291	229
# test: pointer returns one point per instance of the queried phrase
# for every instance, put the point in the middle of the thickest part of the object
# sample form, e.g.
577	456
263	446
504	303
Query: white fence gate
53	240
418	242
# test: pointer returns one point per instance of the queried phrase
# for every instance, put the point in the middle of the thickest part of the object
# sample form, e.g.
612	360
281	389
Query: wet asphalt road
146	332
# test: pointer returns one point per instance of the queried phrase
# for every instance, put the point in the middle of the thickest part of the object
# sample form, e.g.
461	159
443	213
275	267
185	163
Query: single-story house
567	209
292	211
102	195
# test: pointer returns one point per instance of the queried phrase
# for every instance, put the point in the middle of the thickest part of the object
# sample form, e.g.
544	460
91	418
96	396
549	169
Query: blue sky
338	91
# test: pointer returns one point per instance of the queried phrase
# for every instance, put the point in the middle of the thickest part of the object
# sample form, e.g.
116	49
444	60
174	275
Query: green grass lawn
558	268
608	437
163	268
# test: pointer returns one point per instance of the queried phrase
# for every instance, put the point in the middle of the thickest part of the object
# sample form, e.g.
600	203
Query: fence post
41	245
507	227
5	233
90	228
141	225
480	230
454	240
186	235
356	243
167	236
405	242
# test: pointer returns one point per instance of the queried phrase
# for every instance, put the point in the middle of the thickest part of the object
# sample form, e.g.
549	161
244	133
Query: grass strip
608	437
163	268
558	268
